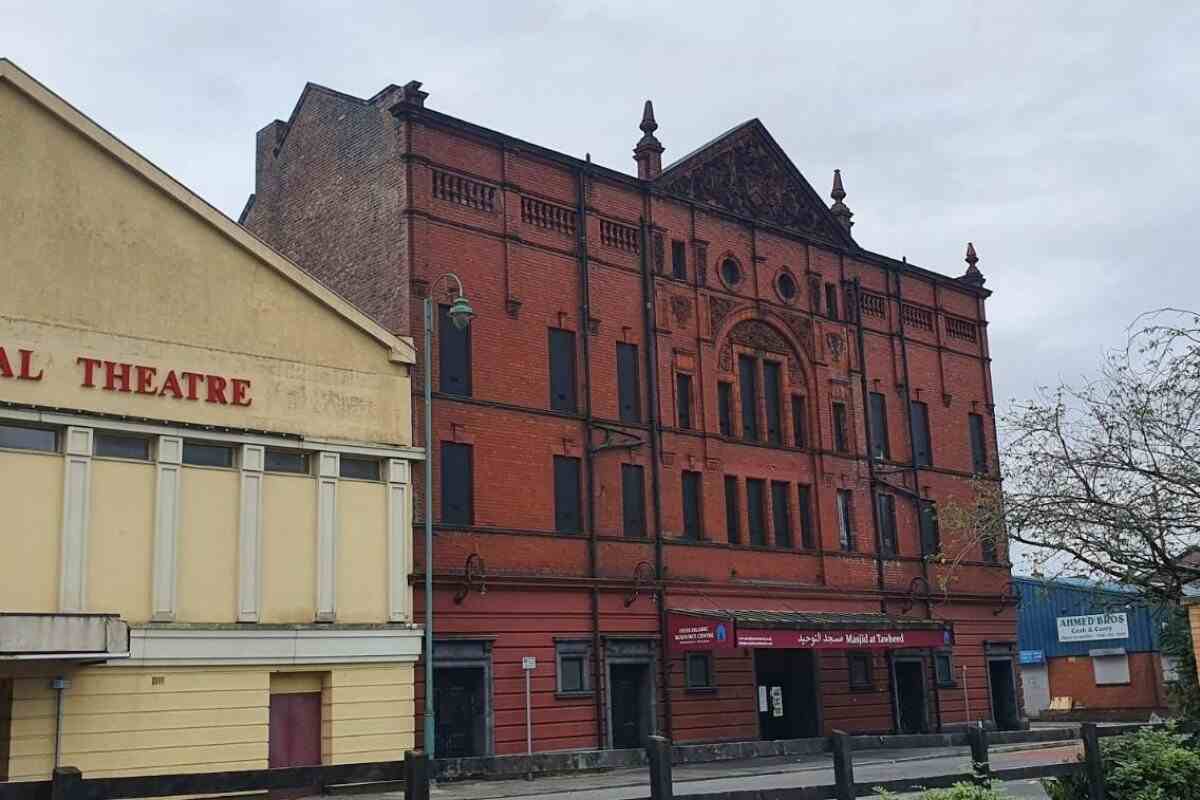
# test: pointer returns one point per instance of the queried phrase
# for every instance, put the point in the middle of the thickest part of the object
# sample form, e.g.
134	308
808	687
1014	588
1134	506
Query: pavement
762	773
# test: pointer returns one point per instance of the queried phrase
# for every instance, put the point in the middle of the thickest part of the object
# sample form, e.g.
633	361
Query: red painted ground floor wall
1074	677
493	628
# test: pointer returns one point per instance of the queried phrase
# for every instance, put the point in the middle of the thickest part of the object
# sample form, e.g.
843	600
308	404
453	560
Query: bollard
843	766
66	783
1093	761
658	751
416	775
979	755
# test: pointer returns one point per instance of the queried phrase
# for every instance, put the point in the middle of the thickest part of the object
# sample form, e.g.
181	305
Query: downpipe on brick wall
856	312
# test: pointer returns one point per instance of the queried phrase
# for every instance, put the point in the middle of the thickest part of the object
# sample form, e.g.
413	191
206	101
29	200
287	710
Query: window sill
951	685
573	695
864	688
705	690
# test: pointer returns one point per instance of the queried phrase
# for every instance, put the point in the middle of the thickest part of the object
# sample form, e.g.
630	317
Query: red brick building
665	404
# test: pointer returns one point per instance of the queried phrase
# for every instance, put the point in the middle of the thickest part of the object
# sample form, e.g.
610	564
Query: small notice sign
529	663
762	698
776	701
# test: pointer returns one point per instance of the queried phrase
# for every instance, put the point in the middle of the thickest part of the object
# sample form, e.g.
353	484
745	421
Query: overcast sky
1063	143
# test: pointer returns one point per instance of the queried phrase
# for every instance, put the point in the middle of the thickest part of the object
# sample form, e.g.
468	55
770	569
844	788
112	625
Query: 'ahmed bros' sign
1092	627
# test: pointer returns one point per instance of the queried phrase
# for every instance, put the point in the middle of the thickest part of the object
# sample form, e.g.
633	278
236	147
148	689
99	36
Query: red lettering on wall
116	373
145	380
171	384
89	371
26	368
193	380
5	367
241	391
216	389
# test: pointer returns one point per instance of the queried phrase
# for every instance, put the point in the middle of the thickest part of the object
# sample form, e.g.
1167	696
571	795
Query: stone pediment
746	172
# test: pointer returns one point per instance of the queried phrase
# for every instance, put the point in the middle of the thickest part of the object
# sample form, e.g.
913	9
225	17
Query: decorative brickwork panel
463	191
917	317
958	328
547	215
622	237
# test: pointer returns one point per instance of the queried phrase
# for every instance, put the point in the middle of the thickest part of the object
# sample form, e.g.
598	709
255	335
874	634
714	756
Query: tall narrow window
566	495
457	484
799	421
831	300
633	500
691	505
678	260
781	517
772	393
748	386
683	399
886	505
808	534
725	408
841	439
879	431
921	445
987	544
978	444
756	512
454	355
562	370
845	517
628	393
733	515
931	540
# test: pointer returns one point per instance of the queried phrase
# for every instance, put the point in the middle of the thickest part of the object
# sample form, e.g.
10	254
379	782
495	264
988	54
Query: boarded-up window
979	462
678	260
733	514
781	518
886	504
457	480
845	518
841	438
1110	667
756	512
691	505
831	300
799	421
920	433
880	450
808	534
633	500
725	408
454	355
748	387
562	370
772	393
931	540
628	392
566	495
683	399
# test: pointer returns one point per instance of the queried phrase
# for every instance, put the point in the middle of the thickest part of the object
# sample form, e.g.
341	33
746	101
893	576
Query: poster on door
776	701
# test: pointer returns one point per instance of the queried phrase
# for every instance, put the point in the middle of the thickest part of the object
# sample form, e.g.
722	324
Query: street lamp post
460	316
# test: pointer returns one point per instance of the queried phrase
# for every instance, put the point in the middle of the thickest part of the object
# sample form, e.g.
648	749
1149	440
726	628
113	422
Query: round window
786	286
731	273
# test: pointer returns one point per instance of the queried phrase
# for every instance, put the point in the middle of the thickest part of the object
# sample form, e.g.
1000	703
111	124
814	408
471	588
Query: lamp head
460	313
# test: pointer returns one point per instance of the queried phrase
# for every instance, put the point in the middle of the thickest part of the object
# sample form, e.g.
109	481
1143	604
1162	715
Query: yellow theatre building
205	506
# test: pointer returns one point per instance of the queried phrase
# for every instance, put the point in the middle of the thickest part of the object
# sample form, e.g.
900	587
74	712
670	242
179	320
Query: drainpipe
585	321
59	685
649	326
856	310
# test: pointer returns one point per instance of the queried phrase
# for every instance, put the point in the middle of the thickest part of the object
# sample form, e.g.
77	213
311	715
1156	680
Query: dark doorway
294	736
459	709
631	707
786	694
1004	694
910	696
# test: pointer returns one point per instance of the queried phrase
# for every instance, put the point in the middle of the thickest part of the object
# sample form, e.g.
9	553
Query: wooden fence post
979	755
658	751
1093	761
416	775
843	766
65	783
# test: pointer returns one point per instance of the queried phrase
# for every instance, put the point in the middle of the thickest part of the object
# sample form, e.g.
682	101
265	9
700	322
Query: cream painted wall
362	592
100	262
289	549
121	539
125	721
208	539
31	531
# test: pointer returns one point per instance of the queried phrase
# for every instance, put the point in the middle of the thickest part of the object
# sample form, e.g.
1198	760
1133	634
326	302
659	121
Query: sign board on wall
1093	627
843	639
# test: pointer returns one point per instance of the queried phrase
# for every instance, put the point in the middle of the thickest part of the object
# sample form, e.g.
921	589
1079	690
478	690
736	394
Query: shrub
959	791
1147	765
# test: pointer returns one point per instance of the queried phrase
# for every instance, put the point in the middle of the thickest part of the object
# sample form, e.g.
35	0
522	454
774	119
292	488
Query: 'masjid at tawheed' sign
1093	627
697	633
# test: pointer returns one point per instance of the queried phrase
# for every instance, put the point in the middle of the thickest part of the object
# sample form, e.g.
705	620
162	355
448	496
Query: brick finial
649	150
840	209
972	276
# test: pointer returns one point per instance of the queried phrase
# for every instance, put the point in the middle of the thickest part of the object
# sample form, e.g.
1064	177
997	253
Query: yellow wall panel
362	552
297	682
121	539
30	534
289	549
208	538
